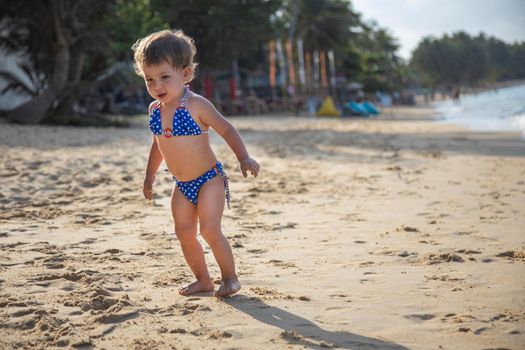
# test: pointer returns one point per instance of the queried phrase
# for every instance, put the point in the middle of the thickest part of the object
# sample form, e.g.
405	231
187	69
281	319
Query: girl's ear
186	74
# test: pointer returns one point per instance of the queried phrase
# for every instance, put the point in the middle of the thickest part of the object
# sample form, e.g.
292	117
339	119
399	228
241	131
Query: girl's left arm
209	115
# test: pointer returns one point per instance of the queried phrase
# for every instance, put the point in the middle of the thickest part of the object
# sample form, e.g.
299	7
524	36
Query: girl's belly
187	157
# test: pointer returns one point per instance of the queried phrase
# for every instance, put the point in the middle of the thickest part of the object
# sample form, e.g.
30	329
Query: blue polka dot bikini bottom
190	189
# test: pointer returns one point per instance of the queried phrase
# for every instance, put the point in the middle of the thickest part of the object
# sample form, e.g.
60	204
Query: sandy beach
393	233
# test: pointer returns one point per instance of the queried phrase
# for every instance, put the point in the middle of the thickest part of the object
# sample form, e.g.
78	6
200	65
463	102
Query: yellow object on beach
328	109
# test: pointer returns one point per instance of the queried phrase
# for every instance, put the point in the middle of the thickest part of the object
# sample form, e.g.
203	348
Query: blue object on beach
356	108
371	108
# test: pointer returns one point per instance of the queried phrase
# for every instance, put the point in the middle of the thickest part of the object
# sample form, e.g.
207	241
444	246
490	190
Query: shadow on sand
300	331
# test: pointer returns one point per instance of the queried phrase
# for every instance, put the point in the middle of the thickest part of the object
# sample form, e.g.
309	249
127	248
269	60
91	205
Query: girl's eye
165	77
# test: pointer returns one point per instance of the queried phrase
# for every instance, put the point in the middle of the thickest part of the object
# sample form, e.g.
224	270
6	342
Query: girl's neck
175	102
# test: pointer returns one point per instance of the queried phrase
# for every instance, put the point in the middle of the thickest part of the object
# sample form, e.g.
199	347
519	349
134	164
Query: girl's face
165	82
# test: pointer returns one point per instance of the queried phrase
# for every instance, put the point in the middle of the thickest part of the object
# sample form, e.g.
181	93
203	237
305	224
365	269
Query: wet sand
392	233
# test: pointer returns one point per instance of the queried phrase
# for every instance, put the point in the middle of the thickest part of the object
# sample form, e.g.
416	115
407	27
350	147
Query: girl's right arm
154	161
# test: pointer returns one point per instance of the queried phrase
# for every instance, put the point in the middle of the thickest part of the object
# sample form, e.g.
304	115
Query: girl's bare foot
228	287
197	287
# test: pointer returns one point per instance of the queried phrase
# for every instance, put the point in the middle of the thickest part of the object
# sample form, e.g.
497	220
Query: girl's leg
209	210
185	217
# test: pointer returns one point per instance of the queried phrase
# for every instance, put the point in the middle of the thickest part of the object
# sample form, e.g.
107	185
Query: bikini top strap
185	96
156	106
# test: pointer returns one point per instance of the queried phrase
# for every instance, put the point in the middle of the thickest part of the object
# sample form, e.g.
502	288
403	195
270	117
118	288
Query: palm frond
17	84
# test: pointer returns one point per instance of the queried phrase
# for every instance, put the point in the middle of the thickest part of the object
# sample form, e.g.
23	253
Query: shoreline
495	86
488	111
380	233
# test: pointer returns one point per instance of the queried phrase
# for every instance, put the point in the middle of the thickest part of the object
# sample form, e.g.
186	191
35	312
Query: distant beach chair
356	108
364	109
371	108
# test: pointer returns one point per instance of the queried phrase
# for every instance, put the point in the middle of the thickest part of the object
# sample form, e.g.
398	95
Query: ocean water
496	110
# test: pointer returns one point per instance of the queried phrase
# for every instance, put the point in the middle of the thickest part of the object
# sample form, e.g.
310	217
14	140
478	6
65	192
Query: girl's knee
186	234
211	233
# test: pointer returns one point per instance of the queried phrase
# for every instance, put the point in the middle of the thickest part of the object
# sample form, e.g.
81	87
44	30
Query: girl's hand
249	164
148	187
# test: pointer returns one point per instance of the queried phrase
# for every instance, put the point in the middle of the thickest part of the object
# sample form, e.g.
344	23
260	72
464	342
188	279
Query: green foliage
124	23
516	61
463	60
377	65
224	30
132	20
325	24
29	30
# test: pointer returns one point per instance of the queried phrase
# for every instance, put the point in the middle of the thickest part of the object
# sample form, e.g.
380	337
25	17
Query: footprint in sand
463	233
463	320
272	212
444	278
219	335
432	259
147	236
390	252
513	255
170	278
257	251
256	225
508	316
480	330
281	263
282	227
86	241
339	295
420	317
102	302
237	235
406	228
113	251
271	294
237	244
9	246
52	262
36	319
85	277
116	317
291	336
424	241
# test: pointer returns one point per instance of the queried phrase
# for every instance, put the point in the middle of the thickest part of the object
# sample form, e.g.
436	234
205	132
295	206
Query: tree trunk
73	89
34	110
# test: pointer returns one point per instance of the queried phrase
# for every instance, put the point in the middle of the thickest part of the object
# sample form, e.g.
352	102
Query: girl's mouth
162	95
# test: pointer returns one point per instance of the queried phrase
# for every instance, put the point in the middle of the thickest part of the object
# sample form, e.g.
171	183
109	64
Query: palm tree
325	24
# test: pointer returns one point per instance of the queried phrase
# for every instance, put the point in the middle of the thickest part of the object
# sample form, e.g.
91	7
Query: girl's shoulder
198	102
153	105
204	110
195	98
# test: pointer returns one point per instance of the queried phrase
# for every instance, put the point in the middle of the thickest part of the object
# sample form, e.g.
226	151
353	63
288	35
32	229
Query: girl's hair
172	46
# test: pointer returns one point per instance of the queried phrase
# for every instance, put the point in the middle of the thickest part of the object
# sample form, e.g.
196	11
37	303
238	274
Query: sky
411	20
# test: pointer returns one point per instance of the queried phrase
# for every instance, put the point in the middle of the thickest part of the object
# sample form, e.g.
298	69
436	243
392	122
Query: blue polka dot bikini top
183	123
